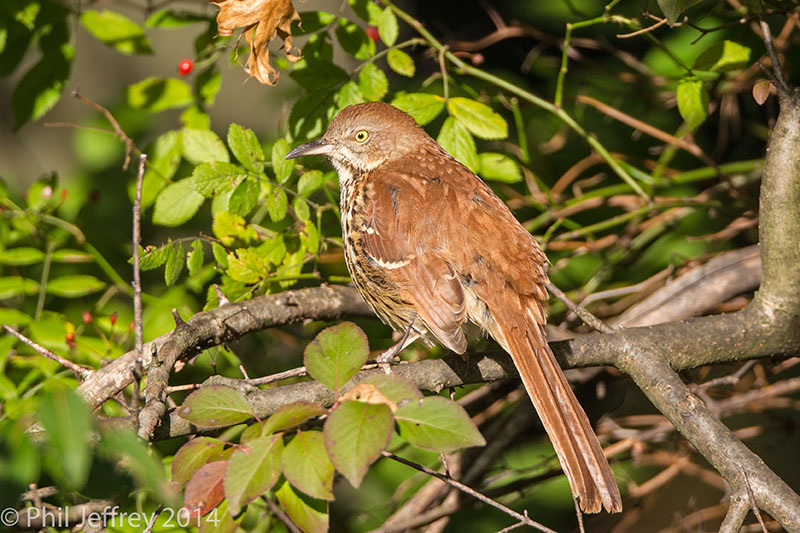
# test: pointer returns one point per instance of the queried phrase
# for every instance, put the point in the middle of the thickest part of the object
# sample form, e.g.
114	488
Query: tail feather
564	420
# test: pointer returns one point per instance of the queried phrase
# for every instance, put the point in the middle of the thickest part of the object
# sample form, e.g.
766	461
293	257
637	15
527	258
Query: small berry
185	67
372	33
113	318
87	317
70	337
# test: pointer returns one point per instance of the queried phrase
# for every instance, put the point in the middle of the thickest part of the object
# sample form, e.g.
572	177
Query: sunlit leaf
117	31
401	62
498	167
723	56
252	470
158	94
245	146
193	455
437	423
387	27
478	118
372	82
692	98
456	139
306	517
176	204
423	107
336	354
215	406
306	465
74	286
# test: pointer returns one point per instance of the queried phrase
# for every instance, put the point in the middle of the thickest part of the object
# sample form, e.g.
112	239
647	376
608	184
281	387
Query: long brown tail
563	417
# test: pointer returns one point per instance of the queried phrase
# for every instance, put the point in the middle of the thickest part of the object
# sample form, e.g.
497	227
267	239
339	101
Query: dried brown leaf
761	91
262	20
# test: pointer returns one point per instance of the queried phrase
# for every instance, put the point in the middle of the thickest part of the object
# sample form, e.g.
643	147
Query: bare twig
130	146
579	310
753	502
777	70
137	239
80	372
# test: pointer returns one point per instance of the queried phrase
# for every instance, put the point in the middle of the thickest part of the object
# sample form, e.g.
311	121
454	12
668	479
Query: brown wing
397	239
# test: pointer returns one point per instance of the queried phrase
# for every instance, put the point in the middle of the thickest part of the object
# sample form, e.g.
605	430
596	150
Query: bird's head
364	136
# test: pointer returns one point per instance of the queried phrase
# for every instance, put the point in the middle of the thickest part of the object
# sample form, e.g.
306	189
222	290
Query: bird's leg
408	337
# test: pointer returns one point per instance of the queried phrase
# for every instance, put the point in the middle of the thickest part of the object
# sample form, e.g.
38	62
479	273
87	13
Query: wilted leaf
761	91
262	20
336	354
368	393
398	389
437	423
355	434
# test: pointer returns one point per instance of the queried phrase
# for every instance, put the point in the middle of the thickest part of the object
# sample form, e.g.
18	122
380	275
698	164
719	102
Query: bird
431	248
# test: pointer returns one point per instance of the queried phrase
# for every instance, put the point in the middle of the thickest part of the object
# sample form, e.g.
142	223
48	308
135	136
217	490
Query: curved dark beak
318	147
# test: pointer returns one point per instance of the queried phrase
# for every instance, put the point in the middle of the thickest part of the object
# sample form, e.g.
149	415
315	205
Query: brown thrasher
429	246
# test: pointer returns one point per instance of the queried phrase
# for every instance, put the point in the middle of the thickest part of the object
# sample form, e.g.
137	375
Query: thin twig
773	56
581	311
469	490
137	238
643	30
81	372
130	146
753	502
152	523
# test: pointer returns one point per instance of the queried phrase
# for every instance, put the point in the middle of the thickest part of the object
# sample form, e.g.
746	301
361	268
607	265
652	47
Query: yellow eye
362	136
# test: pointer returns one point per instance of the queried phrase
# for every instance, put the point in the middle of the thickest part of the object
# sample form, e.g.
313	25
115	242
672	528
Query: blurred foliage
626	145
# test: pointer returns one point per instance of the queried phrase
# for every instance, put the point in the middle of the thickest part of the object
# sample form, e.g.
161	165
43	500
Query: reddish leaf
204	491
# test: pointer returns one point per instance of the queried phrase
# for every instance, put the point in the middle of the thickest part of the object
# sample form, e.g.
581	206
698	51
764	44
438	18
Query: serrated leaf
692	97
205	489
244	198
252	470
396	388
355	434
309	237
176	204
349	94
24	255
117	31
387	27
195	259
192	456
300	208
423	107
336	354
401	62
306	465
354	39
74	286
215	177
67	424
498	167
158	94
372	82
245	146
277	204
723	56
292	415
456	139
174	266
246	266
478	118
153	257
437	423
309	182
201	146
302	514
215	406
283	167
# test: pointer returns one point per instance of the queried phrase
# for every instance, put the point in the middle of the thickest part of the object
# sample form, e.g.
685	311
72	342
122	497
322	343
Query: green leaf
398	389
24	255
68	426
479	119
164	157
692	102
201	146
311	22
672	9
220	254
309	237
128	451
169	18
300	207
372	82
456	139
215	177
207	85
172	271
498	167
74	286
152	257
252	470
368	10
11	286
117	31
245	146
277	204
246	266
355	434
193	455
354	40
195	118
243	198
292	415
302	514
723	56
387	27
215	406
158	94
66	255
176	204
314	74
349	94
309	182
310	115
283	167
13	317
423	107
195	259
306	465
401	62
336	354
437	423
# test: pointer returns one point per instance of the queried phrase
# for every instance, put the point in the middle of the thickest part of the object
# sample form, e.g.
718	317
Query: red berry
113	318
185	67
87	317
70	337
372	33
